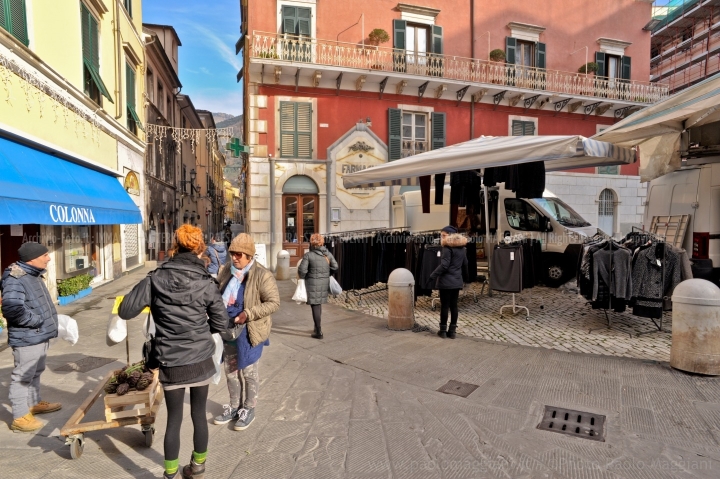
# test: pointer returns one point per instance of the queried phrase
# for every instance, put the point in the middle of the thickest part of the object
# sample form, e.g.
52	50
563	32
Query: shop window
521	216
77	248
13	18
295	130
93	85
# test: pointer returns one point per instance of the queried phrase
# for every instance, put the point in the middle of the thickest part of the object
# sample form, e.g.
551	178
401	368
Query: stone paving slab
559	319
362	403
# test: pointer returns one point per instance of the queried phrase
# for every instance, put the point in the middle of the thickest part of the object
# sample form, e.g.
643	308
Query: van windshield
561	212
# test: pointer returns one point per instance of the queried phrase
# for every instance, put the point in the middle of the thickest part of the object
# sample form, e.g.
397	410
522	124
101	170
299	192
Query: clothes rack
649	235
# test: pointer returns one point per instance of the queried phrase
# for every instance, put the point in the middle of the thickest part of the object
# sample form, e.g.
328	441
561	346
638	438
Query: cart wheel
149	435
476	300
432	306
76	447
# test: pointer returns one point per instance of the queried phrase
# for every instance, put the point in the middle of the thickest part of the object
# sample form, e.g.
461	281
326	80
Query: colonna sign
61	214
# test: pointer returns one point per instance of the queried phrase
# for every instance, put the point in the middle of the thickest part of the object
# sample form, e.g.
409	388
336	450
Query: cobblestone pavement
363	403
559	320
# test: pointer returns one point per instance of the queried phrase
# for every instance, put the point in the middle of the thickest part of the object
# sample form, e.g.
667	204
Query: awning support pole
486	241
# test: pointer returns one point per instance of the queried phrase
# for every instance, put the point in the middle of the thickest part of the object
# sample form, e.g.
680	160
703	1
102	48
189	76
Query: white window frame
311	4
428	117
313	122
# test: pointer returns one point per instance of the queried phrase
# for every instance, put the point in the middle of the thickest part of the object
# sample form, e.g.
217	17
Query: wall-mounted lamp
186	216
368	121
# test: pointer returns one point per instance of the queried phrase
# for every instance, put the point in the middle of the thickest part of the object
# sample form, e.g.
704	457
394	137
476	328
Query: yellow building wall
55	35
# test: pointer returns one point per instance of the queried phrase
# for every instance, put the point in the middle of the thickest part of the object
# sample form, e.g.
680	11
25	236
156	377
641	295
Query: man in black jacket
32	322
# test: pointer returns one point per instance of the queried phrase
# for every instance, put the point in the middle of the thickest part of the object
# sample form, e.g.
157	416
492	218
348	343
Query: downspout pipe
271	257
472	55
118	64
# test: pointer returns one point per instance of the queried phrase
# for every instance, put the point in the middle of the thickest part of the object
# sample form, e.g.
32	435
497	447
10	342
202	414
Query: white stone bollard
401	314
282	271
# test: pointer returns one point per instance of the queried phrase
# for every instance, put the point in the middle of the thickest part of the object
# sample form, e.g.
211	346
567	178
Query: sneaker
27	423
245	418
44	407
229	414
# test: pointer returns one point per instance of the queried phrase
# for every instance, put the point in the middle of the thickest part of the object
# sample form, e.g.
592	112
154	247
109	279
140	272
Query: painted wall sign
132	185
360	154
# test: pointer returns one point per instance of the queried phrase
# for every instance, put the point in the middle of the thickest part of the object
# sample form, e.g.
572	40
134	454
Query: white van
548	219
694	191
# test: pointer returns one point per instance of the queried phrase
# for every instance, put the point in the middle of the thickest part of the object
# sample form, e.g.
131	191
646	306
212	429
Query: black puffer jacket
453	264
315	270
27	306
186	306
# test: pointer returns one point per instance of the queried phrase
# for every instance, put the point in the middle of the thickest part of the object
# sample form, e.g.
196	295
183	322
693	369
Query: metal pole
271	256
487	234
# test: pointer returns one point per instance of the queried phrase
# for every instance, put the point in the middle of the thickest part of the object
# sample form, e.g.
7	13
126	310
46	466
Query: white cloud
205	70
223	49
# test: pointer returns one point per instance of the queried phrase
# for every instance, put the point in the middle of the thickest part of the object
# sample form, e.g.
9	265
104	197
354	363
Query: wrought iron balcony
312	51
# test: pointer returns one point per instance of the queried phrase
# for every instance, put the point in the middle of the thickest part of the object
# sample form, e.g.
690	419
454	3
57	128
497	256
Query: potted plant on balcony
376	37
589	67
497	74
497	55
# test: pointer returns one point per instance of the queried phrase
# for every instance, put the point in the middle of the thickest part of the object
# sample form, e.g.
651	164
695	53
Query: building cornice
418	10
526	27
613	43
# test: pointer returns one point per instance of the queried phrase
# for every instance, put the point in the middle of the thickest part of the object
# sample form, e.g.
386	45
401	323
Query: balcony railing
346	55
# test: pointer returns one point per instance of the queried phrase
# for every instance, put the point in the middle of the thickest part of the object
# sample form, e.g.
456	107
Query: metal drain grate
573	423
457	388
85	364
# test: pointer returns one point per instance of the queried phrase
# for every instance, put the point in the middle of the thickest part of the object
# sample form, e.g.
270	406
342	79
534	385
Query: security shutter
510	47
13	19
540	55
600	60
295	130
625	68
438	130
394	134
523	128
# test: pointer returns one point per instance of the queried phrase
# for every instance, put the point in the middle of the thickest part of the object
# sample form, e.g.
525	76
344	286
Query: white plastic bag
217	357
117	330
68	329
335	288
300	295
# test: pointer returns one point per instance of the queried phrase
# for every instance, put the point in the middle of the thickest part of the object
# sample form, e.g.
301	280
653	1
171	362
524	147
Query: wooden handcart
135	407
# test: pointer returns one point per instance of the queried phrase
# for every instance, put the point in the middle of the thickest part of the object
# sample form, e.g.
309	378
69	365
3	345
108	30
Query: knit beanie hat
29	251
243	243
450	230
190	238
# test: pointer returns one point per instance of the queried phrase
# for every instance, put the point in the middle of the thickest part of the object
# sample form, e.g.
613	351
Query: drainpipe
329	177
118	64
472	55
271	257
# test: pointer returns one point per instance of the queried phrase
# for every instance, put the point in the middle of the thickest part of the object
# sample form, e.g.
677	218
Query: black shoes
451	333
443	331
194	470
317	333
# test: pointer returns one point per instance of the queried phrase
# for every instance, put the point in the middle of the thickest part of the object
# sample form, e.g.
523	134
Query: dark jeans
317	314
449	303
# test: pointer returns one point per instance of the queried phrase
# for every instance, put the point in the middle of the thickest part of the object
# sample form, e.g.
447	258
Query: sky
207	61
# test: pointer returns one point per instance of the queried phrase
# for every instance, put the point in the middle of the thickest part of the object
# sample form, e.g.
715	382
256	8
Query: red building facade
335	86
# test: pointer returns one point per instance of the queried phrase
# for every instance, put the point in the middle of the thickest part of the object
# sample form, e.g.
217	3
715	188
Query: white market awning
558	153
656	129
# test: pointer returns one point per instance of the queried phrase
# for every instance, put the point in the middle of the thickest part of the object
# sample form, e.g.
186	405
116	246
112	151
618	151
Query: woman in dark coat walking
449	278
187	309
315	270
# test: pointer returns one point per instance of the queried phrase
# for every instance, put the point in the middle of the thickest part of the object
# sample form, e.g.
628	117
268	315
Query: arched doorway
606	211
300	215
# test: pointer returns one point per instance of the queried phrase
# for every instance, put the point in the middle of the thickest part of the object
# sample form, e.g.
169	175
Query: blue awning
38	188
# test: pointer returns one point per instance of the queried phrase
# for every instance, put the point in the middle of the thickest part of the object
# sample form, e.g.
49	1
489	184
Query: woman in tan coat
250	295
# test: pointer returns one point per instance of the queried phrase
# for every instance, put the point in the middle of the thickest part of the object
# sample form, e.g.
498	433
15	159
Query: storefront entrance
300	216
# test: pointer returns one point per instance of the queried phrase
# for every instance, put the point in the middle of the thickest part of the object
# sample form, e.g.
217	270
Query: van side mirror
545	224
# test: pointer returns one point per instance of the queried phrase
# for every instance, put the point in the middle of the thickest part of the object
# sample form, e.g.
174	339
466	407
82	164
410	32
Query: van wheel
554	276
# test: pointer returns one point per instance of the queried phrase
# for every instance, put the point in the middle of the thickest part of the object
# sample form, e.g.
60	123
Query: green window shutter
399	27
94	39
528	128
289	20
540	55
303	130
625	69
128	7
438	130
510	47
304	17
91	50
86	42
394	134
287	129
517	128
437	40
16	20
130	84
3	23
608	170
600	60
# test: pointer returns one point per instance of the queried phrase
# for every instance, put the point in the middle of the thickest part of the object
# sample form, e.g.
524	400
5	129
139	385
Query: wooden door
300	221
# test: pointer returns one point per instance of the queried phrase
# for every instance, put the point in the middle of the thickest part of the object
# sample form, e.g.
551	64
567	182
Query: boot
317	333
45	407
194	470
27	423
451	332
443	331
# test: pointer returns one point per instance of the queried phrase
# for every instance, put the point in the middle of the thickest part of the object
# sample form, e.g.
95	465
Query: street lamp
193	177
186	216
